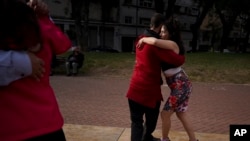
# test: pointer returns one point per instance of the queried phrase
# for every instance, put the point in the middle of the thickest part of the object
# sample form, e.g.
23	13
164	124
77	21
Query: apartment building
126	20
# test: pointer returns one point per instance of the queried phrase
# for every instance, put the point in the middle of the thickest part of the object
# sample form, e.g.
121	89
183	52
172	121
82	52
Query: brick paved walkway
102	102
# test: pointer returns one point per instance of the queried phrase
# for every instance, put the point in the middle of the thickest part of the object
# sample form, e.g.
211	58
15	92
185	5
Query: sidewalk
96	109
100	133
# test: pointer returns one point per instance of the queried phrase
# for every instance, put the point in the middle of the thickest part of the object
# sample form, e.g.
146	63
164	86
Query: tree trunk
247	28
245	44
170	8
227	28
80	13
159	6
85	35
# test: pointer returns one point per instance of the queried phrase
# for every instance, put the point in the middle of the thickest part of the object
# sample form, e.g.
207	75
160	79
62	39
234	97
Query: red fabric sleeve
169	56
58	40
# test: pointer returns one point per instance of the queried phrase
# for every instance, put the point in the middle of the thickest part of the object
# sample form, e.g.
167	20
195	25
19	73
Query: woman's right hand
140	43
40	7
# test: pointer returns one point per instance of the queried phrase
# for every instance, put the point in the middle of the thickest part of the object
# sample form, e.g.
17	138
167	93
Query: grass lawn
201	67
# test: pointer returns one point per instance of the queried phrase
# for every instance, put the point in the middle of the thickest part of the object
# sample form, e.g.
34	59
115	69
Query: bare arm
164	44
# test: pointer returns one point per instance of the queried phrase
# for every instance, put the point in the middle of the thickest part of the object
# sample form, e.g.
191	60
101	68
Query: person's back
146	78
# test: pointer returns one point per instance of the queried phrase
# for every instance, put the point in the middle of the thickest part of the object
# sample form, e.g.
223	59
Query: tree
245	16
228	10
205	5
159	6
80	12
247	28
170	8
106	6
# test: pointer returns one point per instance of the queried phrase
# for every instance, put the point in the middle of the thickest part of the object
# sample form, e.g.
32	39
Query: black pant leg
136	115
151	116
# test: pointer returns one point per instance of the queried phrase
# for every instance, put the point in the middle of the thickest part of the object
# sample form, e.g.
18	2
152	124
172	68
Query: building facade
126	21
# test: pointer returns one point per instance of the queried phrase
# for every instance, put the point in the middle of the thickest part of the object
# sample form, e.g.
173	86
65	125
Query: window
128	20
145	21
194	11
146	3
129	2
57	1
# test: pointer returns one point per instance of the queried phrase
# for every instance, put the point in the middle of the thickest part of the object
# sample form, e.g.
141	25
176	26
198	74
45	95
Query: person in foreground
176	79
144	92
29	110
16	65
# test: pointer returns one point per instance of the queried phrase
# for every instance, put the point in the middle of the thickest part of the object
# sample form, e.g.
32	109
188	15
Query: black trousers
54	136
140	130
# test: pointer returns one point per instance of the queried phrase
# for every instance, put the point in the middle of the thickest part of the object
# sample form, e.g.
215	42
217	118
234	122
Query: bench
60	61
58	65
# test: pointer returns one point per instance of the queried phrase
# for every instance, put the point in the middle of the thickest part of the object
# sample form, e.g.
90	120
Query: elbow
180	61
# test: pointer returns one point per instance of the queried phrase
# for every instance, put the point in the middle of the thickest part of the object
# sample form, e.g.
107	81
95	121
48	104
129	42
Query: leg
75	68
68	67
186	124
136	116
166	123
151	117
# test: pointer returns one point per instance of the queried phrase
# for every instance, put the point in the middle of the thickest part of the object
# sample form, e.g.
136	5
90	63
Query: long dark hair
173	28
16	15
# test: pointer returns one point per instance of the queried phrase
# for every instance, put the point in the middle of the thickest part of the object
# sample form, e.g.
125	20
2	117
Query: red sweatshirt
28	108
145	84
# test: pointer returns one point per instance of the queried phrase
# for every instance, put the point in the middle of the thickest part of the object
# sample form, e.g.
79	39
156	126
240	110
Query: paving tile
91	133
99	101
101	133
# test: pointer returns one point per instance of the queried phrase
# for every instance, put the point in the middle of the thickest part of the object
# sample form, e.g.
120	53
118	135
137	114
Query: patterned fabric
181	89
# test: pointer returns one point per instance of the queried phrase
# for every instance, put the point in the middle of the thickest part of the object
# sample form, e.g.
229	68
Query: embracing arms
15	65
164	44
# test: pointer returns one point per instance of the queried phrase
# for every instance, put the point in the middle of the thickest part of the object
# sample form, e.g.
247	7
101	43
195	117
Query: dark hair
157	20
173	28
16	15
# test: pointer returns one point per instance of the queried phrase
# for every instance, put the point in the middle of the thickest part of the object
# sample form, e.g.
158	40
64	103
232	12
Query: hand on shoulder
40	7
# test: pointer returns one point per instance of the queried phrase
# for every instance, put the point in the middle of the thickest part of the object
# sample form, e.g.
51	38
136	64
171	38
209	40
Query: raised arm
164	44
59	42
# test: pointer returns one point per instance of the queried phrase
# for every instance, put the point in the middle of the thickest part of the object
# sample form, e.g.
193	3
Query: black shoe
69	74
152	138
156	139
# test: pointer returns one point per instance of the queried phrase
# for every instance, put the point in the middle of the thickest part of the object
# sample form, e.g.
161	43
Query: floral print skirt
181	88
